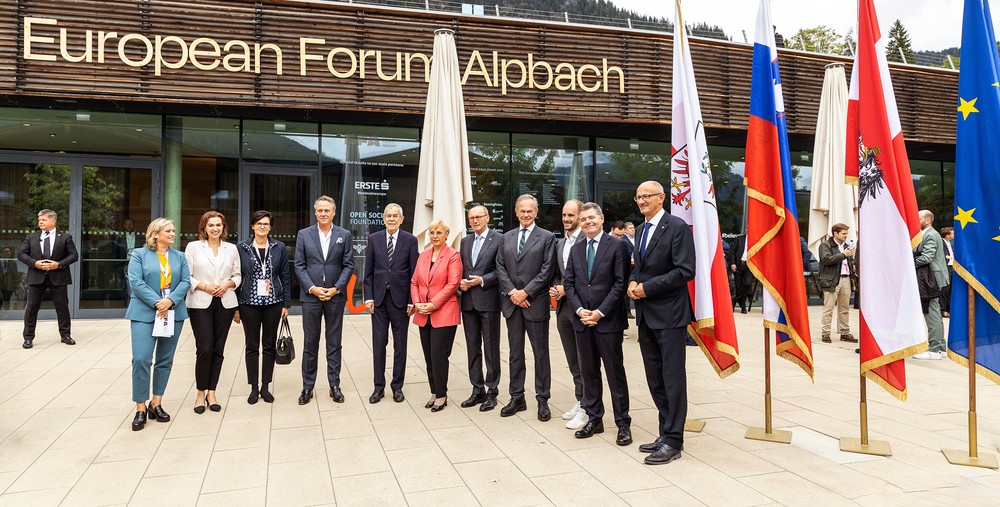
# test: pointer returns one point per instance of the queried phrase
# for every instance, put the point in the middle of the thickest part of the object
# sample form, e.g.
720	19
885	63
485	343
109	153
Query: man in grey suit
564	314
524	268
481	308
323	264
931	251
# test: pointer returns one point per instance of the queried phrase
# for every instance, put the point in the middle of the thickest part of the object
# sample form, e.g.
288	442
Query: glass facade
108	174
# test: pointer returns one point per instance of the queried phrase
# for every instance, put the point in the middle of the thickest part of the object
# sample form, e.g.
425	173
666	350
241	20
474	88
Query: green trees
899	46
821	39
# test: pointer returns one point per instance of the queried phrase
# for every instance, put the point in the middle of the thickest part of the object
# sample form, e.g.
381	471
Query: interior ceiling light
82	116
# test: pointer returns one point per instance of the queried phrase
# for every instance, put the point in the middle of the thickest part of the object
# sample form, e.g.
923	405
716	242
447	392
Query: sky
932	24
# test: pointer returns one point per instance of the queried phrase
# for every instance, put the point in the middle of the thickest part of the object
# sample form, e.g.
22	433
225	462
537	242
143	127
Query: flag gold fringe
867	367
721	347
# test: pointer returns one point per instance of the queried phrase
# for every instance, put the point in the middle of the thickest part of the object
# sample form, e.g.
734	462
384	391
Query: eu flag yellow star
964	217
967	107
996	238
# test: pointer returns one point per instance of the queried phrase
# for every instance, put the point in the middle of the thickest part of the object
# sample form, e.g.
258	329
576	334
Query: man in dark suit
48	255
664	264
524	268
323	265
389	261
742	277
576	416
595	279
481	308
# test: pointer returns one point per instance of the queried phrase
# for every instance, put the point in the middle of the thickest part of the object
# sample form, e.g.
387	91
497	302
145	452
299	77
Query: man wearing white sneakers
931	252
576	416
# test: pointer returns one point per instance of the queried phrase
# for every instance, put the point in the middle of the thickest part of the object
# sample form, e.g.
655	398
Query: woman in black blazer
265	296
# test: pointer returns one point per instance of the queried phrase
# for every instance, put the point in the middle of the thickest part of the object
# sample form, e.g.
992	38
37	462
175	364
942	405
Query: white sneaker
572	412
940	354
926	355
580	420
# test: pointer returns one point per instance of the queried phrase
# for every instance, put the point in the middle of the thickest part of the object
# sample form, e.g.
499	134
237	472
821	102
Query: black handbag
284	352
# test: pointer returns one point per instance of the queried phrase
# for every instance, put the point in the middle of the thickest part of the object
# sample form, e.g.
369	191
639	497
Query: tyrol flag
692	198
977	219
892	323
774	252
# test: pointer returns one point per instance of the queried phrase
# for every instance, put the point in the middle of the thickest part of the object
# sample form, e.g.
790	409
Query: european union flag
977	214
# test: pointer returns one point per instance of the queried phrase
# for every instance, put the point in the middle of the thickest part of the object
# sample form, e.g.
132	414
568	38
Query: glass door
617	200
288	193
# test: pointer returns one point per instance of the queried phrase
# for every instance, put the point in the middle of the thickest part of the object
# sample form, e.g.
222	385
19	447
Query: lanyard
256	254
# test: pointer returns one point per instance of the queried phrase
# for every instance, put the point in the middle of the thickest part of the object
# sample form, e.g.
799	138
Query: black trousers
60	299
437	343
482	341
388	315
256	318
564	324
538	335
595	348
664	356
313	314
743	287
945	298
211	328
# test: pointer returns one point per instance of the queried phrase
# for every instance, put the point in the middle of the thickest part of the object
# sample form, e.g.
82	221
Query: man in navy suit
664	264
525	266
48	255
481	308
323	265
594	280
390	258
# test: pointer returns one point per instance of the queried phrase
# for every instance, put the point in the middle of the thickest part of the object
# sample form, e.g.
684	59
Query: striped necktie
390	249
524	238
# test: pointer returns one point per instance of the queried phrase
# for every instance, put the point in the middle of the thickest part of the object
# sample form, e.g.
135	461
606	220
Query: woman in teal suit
160	279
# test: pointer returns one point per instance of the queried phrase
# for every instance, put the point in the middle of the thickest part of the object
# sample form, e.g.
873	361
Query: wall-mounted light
25	124
138	130
634	145
279	127
82	116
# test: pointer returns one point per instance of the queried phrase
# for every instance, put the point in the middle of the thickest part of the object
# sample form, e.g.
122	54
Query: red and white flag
692	197
892	323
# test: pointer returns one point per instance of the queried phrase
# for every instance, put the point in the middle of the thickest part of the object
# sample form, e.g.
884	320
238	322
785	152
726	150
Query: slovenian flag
892	323
774	252
692	198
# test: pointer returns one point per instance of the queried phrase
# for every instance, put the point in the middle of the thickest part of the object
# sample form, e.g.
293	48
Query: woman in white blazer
211	302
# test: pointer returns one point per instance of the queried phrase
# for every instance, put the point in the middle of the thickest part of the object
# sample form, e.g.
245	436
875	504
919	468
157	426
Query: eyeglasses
261	224
646	197
478	217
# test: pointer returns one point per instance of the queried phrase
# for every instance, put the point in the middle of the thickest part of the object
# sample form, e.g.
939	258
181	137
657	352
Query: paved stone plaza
65	416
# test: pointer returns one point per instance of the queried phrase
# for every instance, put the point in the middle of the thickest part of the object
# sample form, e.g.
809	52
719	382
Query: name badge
263	287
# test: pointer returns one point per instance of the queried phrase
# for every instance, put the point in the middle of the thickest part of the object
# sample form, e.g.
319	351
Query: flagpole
768	433
959	456
863	445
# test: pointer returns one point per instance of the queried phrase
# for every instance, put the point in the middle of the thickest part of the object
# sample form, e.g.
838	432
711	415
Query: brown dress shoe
849	338
826	339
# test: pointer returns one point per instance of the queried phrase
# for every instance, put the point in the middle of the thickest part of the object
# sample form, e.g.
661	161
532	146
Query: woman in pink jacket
433	290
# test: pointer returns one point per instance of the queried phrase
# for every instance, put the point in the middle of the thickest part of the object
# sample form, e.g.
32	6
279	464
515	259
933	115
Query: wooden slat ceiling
926	97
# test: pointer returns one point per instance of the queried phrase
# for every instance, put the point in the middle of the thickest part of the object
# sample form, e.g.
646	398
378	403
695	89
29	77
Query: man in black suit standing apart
595	280
48	255
390	258
664	264
742	277
481	308
323	264
576	416
525	267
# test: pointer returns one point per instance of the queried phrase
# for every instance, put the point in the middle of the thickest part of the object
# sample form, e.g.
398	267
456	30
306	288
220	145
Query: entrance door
288	193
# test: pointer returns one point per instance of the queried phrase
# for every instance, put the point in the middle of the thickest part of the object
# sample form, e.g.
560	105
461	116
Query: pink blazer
437	284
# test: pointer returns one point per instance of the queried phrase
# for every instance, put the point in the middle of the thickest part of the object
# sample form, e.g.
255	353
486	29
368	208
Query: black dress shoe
306	395
254	395
652	446
437	408
376	396
336	394
68	341
624	435
140	421
489	404
476	398
27	344
157	413
516	405
665	454
397	396
544	414
267	396
592	427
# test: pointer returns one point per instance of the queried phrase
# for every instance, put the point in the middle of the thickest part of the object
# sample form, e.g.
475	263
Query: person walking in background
390	258
323	265
10	277
575	416
160	279
930	255
481	308
264	295
948	235
525	267
48	255
742	276
433	291
211	301
836	269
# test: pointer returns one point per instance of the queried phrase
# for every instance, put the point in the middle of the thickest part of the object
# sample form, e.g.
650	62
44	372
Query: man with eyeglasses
525	267
481	308
664	264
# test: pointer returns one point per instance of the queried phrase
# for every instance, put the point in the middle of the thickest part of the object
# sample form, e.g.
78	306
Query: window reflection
553	169
489	163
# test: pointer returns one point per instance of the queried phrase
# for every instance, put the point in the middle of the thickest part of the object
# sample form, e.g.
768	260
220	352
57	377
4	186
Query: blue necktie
475	250
642	243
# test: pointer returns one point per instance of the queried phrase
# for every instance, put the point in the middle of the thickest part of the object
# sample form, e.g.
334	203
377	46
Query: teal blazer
144	277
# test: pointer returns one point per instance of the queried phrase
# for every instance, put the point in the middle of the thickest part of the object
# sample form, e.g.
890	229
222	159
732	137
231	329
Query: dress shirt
951	252
845	270
52	242
570	241
324	240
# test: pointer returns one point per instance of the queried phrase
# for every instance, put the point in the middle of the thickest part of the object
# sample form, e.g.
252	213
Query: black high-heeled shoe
438	408
200	409
140	421
214	407
157	413
429	404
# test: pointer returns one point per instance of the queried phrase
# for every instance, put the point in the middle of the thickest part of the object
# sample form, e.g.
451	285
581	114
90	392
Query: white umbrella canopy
832	199
444	183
